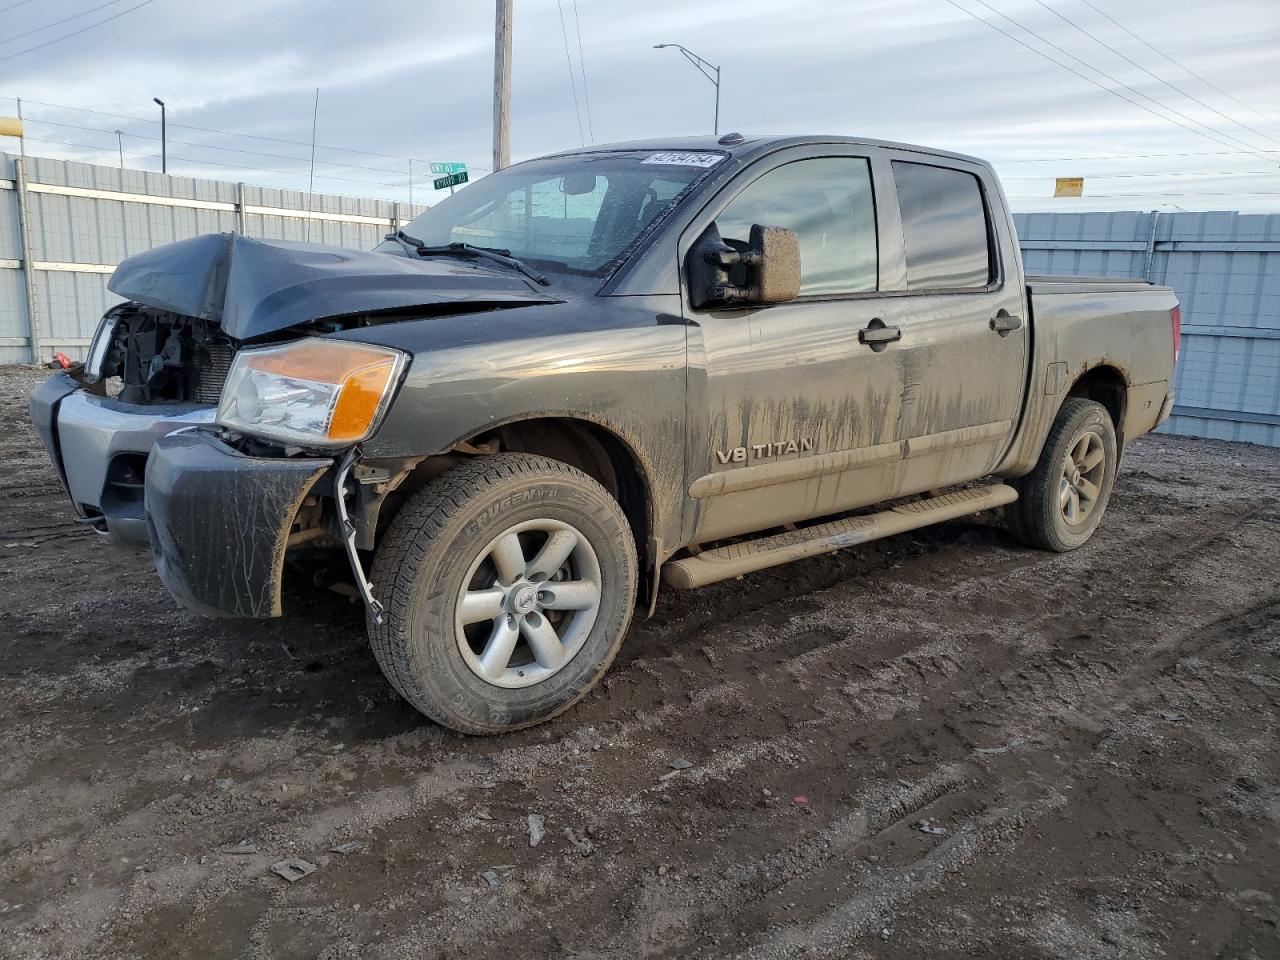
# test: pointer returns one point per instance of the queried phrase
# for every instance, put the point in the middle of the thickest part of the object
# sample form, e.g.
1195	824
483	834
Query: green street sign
452	180
439	168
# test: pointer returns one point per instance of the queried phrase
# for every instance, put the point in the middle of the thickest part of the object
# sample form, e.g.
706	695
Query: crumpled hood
252	287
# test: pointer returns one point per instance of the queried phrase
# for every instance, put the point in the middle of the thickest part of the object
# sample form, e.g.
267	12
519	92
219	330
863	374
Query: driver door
791	414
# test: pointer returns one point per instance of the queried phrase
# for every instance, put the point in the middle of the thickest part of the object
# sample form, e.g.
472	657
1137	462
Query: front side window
579	212
828	202
944	227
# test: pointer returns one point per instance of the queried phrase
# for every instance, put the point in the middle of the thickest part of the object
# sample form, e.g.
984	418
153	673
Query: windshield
579	212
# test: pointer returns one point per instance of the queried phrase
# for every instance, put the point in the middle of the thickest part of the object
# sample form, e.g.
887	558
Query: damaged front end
161	361
220	521
224	505
223	512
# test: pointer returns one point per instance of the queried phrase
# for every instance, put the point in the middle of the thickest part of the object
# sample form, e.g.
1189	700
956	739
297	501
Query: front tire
508	583
1061	502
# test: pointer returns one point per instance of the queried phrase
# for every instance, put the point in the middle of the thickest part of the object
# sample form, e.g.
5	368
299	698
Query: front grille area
214	365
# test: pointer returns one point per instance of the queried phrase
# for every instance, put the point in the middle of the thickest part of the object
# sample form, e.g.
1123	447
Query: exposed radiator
215	364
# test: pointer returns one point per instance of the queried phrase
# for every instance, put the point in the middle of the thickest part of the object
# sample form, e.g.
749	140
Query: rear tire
508	584
1061	502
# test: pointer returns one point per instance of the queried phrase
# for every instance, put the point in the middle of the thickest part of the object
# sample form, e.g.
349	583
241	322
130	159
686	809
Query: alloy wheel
528	603
1083	471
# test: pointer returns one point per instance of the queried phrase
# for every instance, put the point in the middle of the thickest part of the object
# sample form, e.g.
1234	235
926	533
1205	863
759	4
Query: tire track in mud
548	760
868	912
820	863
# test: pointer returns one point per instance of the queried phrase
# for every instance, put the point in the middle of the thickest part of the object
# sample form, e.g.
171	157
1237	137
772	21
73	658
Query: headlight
314	392
98	348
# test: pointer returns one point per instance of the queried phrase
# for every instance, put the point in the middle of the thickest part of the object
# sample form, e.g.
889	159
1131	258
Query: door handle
1003	323
877	336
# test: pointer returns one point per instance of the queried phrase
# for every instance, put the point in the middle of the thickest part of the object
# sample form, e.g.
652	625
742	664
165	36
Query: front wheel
1061	502
508	584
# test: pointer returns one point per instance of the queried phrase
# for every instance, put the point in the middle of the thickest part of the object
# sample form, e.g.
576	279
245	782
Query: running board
723	563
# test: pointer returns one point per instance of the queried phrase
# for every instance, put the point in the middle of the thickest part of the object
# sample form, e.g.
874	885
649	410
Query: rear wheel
508	584
1061	502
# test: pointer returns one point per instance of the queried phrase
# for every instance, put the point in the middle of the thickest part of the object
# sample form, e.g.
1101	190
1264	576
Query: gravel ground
940	745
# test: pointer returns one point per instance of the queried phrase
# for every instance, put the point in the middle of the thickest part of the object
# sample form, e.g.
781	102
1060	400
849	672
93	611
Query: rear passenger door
961	317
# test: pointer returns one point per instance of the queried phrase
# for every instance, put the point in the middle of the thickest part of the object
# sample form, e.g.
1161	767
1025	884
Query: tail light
1175	319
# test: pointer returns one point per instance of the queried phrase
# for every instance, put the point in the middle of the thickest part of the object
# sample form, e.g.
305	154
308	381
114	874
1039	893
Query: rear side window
944	227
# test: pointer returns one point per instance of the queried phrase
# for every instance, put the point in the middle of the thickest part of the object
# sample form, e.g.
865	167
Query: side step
723	563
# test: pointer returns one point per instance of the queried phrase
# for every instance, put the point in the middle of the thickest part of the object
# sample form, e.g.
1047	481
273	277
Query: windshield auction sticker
685	159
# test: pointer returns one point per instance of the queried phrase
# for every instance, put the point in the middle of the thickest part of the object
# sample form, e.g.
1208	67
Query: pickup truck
592	374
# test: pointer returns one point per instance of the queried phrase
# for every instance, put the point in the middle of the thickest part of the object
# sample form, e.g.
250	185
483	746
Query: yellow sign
10	127
1069	187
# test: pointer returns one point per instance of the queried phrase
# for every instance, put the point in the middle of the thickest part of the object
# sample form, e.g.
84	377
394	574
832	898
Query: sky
411	80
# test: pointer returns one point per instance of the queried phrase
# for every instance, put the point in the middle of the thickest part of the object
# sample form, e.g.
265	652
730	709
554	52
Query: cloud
411	78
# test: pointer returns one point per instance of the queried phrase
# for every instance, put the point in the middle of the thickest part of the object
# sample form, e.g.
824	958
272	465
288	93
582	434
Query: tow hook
349	534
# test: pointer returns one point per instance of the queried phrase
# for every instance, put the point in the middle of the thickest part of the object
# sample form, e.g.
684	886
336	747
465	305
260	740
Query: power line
1213	134
14	6
1088	79
1176	89
209	146
223	133
573	86
56	23
1181	66
582	65
76	33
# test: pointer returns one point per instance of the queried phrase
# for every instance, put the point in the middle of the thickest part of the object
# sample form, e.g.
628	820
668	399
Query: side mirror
768	271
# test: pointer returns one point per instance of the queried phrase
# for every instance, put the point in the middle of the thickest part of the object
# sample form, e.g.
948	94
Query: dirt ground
941	745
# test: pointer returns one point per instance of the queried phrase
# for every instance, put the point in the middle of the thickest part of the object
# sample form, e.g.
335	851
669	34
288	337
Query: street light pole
164	145
704	67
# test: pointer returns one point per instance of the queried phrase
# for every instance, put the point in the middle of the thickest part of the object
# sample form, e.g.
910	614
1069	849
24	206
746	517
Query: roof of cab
751	146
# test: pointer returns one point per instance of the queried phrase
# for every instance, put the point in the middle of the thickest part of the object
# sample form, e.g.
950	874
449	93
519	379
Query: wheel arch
597	449
1108	386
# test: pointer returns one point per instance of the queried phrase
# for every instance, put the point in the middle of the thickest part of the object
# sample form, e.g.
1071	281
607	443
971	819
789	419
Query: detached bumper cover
219	522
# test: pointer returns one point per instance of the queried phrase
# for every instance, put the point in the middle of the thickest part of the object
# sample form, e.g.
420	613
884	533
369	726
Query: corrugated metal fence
1225	268
71	223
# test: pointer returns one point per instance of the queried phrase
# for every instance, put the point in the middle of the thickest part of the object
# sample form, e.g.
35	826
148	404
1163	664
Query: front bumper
99	448
219	522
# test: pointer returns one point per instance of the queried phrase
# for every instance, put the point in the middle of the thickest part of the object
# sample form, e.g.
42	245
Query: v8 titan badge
760	451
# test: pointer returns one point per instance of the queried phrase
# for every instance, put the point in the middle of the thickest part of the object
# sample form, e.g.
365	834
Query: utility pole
164	144
502	86
120	146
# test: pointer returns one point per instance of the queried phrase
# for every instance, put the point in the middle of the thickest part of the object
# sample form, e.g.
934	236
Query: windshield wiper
410	244
467	250
497	256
